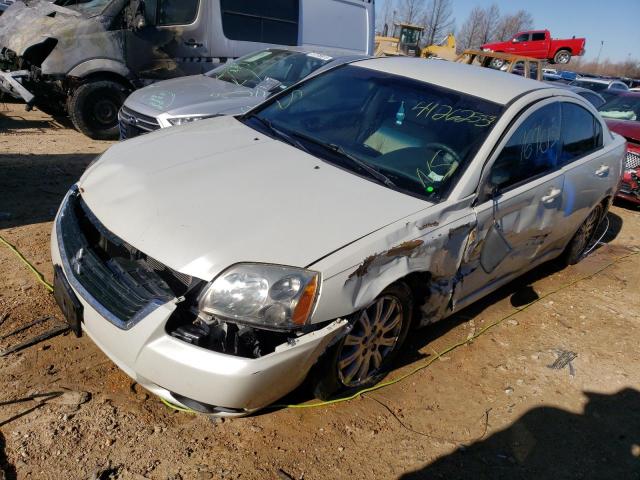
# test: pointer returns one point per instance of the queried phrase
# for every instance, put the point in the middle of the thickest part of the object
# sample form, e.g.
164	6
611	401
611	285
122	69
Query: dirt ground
493	408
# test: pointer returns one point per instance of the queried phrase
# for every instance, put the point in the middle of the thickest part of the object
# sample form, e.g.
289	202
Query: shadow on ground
14	123
5	467
551	443
33	186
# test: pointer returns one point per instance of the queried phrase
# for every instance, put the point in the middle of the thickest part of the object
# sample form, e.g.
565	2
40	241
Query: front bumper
10	83
164	365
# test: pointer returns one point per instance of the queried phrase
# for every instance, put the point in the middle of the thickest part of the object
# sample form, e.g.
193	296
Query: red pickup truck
539	44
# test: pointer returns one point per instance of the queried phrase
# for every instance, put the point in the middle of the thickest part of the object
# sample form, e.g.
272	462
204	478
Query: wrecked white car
219	263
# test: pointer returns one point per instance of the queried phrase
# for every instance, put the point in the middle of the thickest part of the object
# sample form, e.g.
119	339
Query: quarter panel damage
420	244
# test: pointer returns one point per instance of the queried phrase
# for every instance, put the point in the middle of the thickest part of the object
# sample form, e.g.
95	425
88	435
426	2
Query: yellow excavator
445	50
405	41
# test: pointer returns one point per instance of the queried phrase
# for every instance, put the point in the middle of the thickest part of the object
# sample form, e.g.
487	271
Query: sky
617	24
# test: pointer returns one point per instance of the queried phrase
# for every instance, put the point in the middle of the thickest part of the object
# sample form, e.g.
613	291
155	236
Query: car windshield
88	7
284	66
595	86
408	135
622	107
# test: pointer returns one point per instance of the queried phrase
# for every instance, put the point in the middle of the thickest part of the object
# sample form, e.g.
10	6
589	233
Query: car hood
22	26
194	95
205	196
628	129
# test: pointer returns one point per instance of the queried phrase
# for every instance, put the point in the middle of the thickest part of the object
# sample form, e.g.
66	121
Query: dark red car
622	114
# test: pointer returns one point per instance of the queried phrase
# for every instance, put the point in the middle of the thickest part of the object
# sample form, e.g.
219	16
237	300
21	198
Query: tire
581	240
562	57
93	108
335	373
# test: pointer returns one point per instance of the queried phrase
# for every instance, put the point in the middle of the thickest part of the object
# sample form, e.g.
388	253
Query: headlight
182	120
487	50
271	296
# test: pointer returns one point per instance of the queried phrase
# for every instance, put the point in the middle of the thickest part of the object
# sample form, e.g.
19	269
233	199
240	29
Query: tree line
436	17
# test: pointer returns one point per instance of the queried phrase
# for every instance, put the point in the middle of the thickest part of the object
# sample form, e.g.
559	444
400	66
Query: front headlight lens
272	296
182	120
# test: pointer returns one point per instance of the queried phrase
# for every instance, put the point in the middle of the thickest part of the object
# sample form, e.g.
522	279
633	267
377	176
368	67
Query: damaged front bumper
11	83
182	373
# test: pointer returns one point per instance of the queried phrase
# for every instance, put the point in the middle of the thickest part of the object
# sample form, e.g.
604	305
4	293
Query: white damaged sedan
219	263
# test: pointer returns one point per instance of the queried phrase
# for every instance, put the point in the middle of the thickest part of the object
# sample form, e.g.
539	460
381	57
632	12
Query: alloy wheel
374	336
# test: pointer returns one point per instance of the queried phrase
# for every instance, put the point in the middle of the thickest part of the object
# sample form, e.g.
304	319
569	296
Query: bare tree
438	20
470	30
486	24
412	11
386	16
490	21
509	25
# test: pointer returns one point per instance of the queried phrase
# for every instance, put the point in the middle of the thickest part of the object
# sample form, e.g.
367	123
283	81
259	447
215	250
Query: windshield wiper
279	133
375	173
344	154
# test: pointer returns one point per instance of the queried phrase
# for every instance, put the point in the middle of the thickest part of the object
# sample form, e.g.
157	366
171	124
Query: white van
84	57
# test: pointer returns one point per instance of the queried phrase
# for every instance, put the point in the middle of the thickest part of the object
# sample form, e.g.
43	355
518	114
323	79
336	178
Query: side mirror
139	22
514	40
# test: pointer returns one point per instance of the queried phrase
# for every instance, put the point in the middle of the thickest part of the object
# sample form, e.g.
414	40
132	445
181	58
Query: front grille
121	282
632	160
133	123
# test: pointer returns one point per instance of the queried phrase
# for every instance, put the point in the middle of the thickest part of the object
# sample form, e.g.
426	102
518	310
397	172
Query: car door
538	45
519	208
589	171
519	44
173	40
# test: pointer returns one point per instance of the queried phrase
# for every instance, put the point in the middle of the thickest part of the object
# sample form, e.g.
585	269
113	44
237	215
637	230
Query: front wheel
377	334
562	57
93	108
583	237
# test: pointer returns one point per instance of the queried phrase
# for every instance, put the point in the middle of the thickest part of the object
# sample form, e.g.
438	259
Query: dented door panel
431	242
527	222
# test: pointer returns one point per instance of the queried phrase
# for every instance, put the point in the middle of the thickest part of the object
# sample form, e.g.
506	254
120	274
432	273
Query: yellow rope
37	274
455	345
378	386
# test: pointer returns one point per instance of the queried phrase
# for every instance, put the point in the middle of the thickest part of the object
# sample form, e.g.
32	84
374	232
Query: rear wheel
562	57
583	237
367	351
93	108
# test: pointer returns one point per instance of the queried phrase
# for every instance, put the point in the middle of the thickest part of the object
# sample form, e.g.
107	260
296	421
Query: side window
581	133
537	37
177	12
531	151
522	38
274	21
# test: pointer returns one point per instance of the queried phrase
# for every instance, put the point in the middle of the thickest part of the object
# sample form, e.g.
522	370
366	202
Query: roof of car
605	81
493	85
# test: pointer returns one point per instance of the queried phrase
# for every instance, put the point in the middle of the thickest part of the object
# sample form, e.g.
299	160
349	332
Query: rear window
265	21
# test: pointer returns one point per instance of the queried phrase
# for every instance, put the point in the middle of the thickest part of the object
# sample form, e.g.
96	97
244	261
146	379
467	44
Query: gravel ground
503	406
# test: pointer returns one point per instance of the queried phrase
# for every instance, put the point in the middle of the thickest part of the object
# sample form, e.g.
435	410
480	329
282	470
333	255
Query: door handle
551	196
192	43
603	171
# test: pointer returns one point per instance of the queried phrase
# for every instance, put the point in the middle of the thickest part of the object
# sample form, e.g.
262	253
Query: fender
100	65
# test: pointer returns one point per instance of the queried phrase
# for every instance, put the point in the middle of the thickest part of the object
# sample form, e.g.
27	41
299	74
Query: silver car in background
232	88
